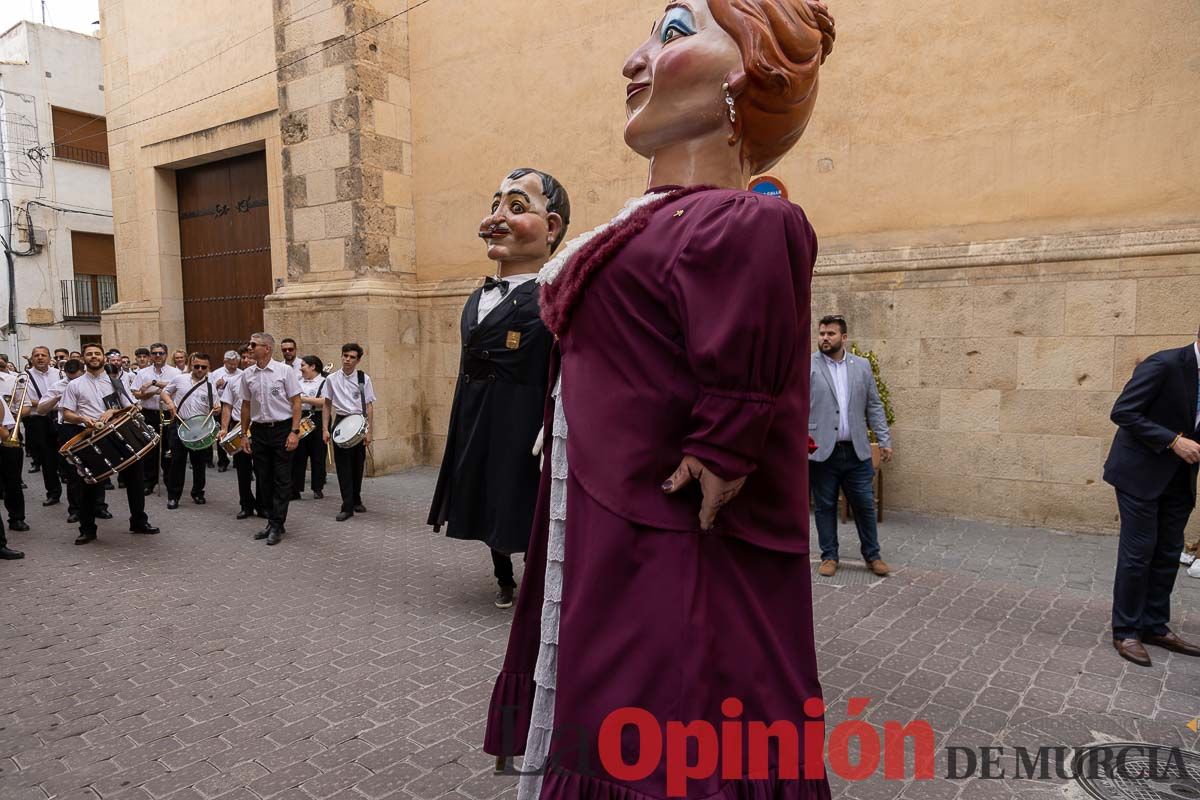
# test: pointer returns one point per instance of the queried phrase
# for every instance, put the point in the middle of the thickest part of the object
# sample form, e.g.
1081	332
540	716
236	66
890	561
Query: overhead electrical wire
197	65
334	43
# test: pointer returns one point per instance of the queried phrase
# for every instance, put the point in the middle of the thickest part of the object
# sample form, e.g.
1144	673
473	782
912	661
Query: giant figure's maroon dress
682	330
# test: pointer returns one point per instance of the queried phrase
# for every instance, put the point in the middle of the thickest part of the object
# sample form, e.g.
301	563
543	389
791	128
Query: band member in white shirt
6	426
221	378
41	436
48	406
189	398
271	417
243	464
311	450
349	391
86	401
287	348
147	385
12	458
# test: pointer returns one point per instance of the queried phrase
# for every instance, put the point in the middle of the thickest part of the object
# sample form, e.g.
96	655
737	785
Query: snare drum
350	430
110	447
232	441
307	426
200	432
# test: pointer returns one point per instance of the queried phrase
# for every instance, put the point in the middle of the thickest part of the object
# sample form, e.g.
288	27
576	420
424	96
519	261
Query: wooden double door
225	249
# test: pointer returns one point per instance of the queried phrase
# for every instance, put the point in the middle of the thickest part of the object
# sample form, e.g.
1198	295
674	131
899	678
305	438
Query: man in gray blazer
843	401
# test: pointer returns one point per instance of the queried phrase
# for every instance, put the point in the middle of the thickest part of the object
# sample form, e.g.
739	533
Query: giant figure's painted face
676	80
520	227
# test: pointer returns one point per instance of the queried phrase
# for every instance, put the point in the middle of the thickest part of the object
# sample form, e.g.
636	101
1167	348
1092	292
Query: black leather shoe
103	515
264	533
50	501
344	515
360	509
35	468
1170	641
244	514
147	528
172	504
85	538
275	536
223	468
198	500
149	490
72	519
318	494
19	525
261	514
10	555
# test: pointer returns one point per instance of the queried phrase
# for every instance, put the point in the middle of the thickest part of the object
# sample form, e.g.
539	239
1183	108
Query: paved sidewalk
355	660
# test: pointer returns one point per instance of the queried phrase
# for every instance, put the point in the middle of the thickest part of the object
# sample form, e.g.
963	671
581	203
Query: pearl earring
732	107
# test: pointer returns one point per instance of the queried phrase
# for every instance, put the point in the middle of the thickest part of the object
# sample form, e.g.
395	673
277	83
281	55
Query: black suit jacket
1157	404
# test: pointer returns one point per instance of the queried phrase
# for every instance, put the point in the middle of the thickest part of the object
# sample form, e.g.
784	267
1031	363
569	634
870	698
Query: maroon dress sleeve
736	287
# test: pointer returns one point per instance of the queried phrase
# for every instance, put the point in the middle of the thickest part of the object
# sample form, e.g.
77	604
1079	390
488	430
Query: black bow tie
490	283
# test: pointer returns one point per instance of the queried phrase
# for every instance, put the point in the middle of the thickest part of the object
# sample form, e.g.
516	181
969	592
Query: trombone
14	438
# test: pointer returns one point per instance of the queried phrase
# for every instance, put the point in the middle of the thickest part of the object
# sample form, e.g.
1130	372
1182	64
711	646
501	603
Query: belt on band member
275	424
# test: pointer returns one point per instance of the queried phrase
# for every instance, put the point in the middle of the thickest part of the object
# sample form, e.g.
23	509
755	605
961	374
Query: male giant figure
488	485
1152	465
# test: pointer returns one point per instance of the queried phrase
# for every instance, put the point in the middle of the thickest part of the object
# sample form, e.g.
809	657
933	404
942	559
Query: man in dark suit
488	484
1153	465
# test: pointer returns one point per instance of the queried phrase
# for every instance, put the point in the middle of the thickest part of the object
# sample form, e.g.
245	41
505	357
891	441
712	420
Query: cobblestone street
356	660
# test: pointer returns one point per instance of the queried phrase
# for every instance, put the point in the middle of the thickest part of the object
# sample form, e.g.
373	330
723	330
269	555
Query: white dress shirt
198	403
343	390
312	388
52	395
40	384
490	299
231	396
223	374
147	376
270	390
86	395
840	372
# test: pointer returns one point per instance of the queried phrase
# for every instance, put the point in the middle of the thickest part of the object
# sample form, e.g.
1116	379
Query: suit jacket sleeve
876	415
736	286
1129	412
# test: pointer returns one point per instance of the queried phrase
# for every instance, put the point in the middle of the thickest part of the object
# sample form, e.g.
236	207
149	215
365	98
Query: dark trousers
11	463
844	471
42	442
1148	557
272	468
222	457
177	467
502	568
153	464
349	463
71	477
92	500
243	464
309	454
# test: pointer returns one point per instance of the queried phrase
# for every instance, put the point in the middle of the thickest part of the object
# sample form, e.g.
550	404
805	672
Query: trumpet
14	438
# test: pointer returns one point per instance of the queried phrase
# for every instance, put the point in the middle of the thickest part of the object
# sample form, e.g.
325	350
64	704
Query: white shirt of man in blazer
844	401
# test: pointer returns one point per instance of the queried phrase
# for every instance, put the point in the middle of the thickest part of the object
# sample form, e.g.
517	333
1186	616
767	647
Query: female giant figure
681	385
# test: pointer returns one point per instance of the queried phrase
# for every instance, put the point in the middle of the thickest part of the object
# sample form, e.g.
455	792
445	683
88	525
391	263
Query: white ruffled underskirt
541	727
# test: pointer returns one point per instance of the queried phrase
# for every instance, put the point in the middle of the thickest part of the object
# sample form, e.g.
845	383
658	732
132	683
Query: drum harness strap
188	394
118	390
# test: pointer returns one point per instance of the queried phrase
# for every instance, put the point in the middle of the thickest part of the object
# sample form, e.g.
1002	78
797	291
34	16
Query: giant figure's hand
717	492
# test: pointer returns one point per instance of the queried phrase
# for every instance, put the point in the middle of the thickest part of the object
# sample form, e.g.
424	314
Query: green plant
880	385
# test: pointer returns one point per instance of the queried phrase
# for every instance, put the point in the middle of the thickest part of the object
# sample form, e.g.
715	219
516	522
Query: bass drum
350	431
110	447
